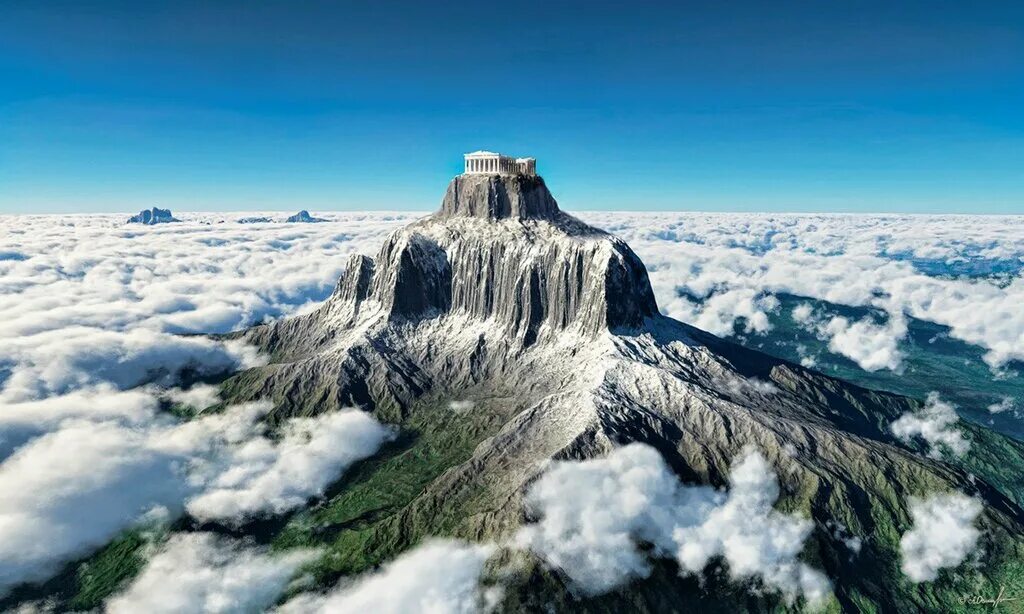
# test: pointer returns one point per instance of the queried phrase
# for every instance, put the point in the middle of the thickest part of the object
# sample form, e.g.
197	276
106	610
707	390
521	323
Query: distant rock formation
304	217
153	216
254	220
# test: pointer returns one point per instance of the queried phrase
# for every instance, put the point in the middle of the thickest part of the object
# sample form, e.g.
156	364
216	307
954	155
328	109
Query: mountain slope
501	333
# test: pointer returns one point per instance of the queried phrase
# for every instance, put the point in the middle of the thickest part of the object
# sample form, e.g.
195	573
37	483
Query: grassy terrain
360	524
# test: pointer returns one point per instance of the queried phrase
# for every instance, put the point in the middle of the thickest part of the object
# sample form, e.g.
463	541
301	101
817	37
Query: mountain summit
500	333
498	252
499	197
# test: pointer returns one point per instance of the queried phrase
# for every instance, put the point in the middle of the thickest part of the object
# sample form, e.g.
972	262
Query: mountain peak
529	281
497	196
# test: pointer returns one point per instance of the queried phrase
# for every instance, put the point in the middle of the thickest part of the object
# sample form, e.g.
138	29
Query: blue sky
737	106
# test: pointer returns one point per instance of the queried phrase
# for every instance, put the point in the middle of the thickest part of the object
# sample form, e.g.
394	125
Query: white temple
490	163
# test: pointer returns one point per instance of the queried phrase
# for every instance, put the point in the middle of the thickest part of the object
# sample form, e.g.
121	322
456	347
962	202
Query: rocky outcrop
499	197
153	216
303	217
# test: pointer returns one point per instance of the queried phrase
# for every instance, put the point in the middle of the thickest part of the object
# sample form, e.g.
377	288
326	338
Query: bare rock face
499	197
500	251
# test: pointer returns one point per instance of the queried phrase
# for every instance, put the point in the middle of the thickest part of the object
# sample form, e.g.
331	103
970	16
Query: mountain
304	217
500	333
153	216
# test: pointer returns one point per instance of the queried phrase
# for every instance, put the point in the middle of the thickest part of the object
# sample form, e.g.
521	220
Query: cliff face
549	329
499	251
499	197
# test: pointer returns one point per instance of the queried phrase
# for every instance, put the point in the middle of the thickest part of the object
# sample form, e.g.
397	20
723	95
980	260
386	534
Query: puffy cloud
935	424
277	476
441	577
23	421
754	539
870	345
197	397
71	490
64	360
593	515
943	535
1005	404
802	313
203	573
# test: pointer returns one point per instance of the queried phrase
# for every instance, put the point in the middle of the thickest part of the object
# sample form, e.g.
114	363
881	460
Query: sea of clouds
717	270
91	308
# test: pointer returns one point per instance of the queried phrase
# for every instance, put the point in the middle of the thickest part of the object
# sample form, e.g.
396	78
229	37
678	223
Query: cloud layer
716	270
90	309
90	300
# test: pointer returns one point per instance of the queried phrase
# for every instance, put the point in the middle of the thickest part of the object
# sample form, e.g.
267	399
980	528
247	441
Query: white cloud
943	535
870	345
755	540
64	360
439	577
935	424
276	476
460	407
746	386
198	397
803	312
1005	404
23	421
203	573
72	490
593	515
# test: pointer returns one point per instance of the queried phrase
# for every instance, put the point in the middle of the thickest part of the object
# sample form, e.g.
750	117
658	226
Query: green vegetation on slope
361	522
